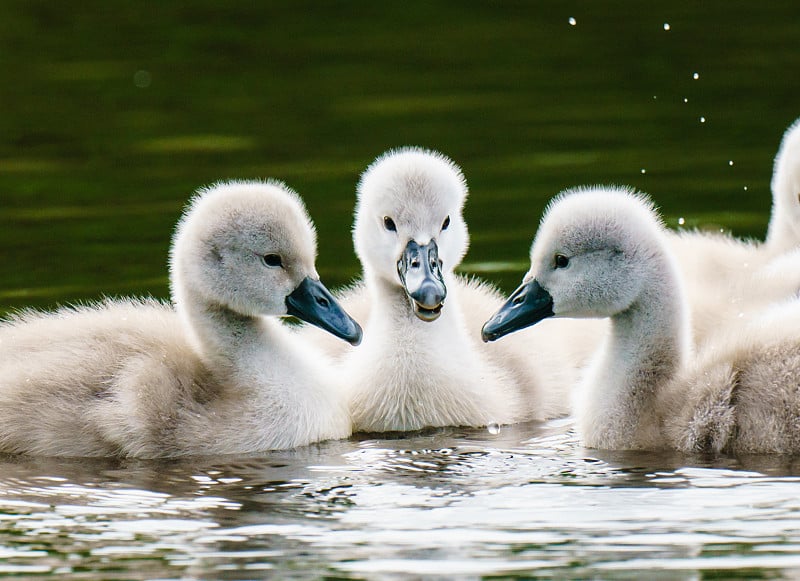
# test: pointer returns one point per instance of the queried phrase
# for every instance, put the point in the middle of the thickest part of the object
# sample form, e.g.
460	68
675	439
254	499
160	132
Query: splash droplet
685	100
730	162
142	79
644	170
696	76
493	428
681	221
702	119
745	188
666	26
572	21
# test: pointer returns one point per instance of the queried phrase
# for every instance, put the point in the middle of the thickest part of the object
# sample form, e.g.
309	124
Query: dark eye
272	260
561	261
388	223
446	223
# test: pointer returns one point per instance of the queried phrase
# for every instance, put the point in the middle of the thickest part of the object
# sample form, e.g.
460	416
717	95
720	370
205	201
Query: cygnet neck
647	345
781	233
221	336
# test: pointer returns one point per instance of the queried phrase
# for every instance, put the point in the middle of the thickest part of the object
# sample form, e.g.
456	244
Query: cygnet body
216	374
422	363
731	278
603	252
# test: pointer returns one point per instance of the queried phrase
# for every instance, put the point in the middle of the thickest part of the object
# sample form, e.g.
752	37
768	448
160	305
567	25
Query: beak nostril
415	264
518	300
323	302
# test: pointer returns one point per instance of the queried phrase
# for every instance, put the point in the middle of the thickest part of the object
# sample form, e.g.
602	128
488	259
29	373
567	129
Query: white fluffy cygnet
422	363
603	252
730	278
216	374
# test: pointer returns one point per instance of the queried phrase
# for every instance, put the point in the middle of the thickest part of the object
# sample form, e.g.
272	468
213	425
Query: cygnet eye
388	223
561	261
272	260
446	223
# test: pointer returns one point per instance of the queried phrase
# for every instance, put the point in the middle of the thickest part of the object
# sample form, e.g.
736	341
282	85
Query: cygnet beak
528	305
312	302
421	277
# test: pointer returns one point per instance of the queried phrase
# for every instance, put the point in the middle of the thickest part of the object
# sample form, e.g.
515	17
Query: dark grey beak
312	302
528	305
421	275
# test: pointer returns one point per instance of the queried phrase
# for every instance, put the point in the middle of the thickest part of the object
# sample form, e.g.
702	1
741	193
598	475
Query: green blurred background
112	113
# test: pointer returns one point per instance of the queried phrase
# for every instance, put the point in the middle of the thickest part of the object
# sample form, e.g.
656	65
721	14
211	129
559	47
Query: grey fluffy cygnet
603	252
217	373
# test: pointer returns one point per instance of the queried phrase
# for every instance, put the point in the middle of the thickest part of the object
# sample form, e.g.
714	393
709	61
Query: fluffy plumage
784	225
646	389
730	278
218	373
411	373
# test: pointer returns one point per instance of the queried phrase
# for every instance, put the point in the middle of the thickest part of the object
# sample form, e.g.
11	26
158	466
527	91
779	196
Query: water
528	501
112	117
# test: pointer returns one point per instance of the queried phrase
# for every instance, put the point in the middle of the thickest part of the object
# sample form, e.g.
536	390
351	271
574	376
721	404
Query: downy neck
648	344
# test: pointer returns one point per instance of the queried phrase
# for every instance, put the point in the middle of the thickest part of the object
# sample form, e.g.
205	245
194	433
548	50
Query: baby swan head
249	247
589	259
409	229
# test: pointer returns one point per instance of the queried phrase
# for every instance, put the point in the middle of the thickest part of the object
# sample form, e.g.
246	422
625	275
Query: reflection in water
453	502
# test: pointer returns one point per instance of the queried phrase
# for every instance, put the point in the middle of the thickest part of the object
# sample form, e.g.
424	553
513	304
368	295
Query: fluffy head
409	194
784	226
244	245
593	250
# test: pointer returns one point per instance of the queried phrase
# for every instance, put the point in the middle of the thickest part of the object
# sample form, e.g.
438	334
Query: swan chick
603	252
419	365
216	374
731	278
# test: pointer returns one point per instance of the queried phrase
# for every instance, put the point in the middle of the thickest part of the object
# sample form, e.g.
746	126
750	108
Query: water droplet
685	100
681	221
702	119
142	79
493	428
722	230
644	170
745	188
730	162
666	26
696	76
654	97
572	21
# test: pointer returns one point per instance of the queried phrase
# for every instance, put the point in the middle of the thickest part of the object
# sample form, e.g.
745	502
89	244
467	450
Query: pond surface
112	117
527	501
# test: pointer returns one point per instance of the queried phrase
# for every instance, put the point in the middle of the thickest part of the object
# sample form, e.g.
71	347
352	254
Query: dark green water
111	117
112	114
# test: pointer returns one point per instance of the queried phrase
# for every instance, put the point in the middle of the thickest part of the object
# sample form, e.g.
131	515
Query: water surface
528	501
